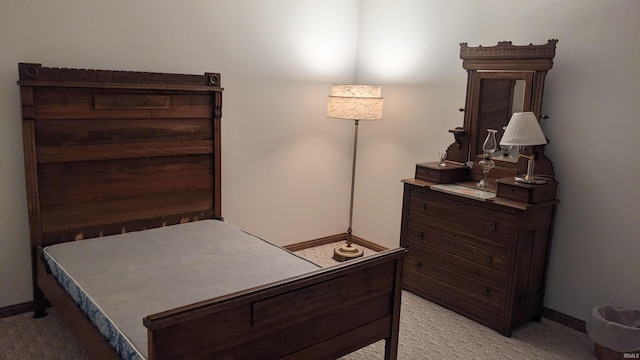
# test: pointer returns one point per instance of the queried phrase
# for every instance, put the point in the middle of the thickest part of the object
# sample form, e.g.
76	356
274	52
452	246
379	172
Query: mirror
500	94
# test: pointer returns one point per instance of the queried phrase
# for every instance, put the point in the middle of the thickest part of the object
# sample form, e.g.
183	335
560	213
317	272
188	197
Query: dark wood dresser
482	249
485	259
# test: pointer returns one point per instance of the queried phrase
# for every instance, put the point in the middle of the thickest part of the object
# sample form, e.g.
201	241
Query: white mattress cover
132	275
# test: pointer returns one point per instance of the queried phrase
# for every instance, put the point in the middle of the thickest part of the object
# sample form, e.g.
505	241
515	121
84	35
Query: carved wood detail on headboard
108	151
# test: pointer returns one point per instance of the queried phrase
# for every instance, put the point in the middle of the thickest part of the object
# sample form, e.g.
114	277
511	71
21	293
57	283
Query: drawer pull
488	259
417	265
492	226
485	291
422	206
420	236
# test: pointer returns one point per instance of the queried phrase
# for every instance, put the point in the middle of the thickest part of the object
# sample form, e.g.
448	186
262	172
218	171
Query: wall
591	96
286	167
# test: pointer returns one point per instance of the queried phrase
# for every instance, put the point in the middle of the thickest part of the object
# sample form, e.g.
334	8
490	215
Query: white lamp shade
523	130
355	102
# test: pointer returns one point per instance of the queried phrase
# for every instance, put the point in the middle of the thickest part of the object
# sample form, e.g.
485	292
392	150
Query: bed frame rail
84	331
321	315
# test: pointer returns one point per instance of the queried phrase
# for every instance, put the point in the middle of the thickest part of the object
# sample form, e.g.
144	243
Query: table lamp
524	130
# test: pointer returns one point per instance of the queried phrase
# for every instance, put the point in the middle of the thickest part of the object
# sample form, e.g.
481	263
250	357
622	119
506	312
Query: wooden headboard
108	152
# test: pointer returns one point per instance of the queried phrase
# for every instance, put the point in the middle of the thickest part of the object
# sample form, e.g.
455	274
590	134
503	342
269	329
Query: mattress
117	280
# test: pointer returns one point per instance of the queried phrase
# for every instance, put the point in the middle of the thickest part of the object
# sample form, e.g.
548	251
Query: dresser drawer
435	275
462	217
447	264
483	254
448	296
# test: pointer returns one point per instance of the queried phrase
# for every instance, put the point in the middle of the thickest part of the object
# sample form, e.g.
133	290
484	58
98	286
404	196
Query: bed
124	169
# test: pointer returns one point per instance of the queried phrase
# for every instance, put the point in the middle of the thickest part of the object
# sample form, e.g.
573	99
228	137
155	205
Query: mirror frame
505	61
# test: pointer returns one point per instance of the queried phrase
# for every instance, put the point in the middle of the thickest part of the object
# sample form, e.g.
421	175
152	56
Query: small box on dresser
433	172
510	189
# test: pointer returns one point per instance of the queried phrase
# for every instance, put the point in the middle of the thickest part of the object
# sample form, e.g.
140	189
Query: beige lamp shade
355	102
523	130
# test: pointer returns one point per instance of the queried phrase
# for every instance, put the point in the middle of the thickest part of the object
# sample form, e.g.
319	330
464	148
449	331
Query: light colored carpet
427	331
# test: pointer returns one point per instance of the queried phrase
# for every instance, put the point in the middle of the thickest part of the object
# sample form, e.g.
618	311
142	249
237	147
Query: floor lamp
353	102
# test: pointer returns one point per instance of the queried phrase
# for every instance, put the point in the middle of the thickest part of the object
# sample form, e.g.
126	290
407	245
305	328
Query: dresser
483	251
483	259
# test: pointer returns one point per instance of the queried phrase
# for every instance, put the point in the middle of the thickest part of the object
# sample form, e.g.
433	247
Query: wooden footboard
321	315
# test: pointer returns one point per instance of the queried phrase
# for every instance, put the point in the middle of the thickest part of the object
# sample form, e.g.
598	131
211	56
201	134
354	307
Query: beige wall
591	95
286	167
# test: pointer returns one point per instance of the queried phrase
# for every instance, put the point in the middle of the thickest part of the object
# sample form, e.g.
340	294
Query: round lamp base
347	252
530	180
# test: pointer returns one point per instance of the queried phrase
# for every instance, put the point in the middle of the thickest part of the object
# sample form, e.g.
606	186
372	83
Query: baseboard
366	243
334	238
17	309
564	319
315	242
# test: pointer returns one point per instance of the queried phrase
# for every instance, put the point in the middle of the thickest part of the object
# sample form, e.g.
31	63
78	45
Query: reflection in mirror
518	97
507	153
500	96
510	153
499	99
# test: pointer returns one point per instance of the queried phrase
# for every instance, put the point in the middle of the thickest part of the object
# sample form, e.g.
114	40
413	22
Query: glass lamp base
486	164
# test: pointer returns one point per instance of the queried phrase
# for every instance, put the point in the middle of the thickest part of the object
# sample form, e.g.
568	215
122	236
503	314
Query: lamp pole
353	179
349	251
